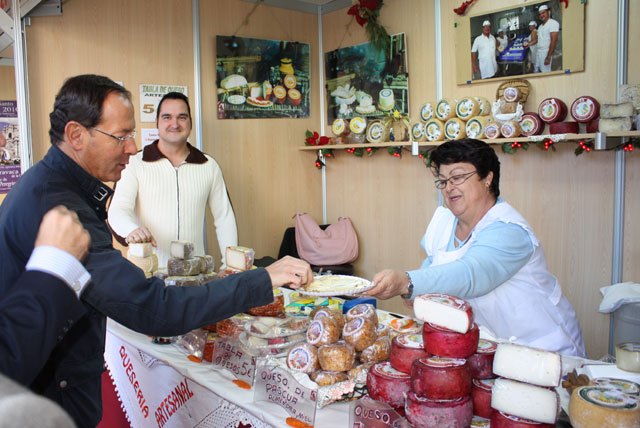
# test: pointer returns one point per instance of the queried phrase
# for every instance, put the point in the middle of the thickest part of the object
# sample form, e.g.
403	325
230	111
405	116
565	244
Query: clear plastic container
626	323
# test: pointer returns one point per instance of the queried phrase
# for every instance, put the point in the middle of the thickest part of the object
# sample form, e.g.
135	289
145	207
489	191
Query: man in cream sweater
164	191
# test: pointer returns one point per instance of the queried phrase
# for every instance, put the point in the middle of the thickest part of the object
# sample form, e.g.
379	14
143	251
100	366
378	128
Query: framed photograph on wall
258	78
363	81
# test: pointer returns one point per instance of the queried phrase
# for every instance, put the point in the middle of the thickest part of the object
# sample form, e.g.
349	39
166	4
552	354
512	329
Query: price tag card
275	384
230	355
369	413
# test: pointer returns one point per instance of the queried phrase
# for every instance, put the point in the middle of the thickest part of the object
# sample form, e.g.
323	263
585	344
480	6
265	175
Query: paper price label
229	354
369	413
276	385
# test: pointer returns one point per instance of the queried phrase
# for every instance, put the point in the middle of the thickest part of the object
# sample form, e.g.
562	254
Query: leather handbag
335	245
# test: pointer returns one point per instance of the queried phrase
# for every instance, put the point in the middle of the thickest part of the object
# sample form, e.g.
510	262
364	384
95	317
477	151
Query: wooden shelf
565	138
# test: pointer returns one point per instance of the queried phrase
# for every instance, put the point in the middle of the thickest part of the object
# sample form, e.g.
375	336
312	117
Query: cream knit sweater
171	203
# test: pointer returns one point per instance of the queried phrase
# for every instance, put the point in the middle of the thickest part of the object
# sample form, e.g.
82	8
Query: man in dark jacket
92	135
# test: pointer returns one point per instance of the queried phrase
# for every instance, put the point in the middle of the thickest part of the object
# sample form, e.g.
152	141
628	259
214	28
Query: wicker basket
523	86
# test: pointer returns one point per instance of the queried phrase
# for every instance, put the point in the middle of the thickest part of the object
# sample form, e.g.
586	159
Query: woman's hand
389	283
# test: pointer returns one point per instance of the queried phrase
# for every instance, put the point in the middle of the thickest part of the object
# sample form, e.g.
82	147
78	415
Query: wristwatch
409	292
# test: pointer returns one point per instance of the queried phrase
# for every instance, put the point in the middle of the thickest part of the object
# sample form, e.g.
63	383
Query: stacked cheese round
445	109
475	126
455	129
434	130
426	112
552	110
467	108
530	124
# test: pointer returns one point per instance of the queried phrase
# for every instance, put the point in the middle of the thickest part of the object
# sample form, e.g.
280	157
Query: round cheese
417	131
455	129
386	99
600	407
405	349
280	93
386	384
552	110
447	343
335	315
338	127
481	397
480	422
510	129
511	94
326	378
467	108
382	330
425	413
441	378
503	420
492	130
426	112
360	333
322	331
337	357
621	385
375	132
378	351
303	358
358	125
434	130
628	356
481	363
290	81
363	310
475	126
563	128
295	97
485	106
445	109
593	126
530	124
585	109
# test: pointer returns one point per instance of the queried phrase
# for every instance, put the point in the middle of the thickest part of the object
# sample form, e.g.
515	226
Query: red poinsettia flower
370	4
324	140
355	11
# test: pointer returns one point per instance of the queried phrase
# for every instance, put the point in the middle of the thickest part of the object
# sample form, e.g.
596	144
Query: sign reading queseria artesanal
275	384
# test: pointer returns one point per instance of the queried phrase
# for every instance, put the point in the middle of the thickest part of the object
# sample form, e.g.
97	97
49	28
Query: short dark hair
81	99
173	96
476	152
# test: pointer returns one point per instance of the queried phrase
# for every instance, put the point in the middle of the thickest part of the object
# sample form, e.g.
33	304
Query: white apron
529	308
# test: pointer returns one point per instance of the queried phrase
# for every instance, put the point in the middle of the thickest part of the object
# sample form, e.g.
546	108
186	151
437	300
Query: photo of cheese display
335	285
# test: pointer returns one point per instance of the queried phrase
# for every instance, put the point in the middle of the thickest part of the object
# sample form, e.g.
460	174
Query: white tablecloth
159	387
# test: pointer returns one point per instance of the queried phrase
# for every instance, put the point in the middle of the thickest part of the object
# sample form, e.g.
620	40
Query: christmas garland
366	14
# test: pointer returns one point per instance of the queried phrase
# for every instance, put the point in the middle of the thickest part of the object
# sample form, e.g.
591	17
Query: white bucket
626	323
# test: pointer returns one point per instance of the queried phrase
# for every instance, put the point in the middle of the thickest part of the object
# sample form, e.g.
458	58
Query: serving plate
336	285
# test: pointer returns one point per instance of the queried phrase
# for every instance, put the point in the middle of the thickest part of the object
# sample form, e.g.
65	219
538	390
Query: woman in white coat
481	249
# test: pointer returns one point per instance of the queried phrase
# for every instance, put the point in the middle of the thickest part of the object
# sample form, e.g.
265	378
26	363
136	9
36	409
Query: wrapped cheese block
147	264
181	249
405	349
207	264
322	331
492	130
585	109
509	107
445	109
614	125
144	249
326	378
447	343
434	130
426	112
382	330
377	352
485	106
360	333
511	94
363	310
388	385
303	358
444	310
183	267
525	400
563	128
481	363
337	357
552	110
455	129
503	420
230	327
333	314
475	126
612	111
481	397
425	413
182	281
530	124
526	364
602	407
417	132
240	258
467	108
359	373
441	378
510	129
274	309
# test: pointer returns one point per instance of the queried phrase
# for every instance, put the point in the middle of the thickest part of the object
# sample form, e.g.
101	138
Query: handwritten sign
150	96
276	385
369	413
229	354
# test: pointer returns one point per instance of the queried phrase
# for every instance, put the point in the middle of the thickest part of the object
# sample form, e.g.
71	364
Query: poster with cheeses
9	146
150	96
258	78
364	81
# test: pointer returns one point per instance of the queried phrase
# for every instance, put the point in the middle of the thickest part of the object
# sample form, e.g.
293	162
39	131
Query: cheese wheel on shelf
530	124
503	420
612	111
445	109
337	357
481	397
326	378
448	343
475	126
511	94
323	331
585	109
467	108
378	351
388	385
434	130
444	310
363	310
552	110
485	106
526	364
525	400
425	413
455	129
339	127
426	112
360	333
481	363
602	407
417	131
303	358
615	125
510	129
593	126
564	128
441	378
405	349
492	130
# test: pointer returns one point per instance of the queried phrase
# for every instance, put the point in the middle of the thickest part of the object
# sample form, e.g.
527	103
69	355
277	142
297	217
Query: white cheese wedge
147	264
181	249
525	401
531	365
614	125
611	111
240	258
183	267
140	250
445	311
